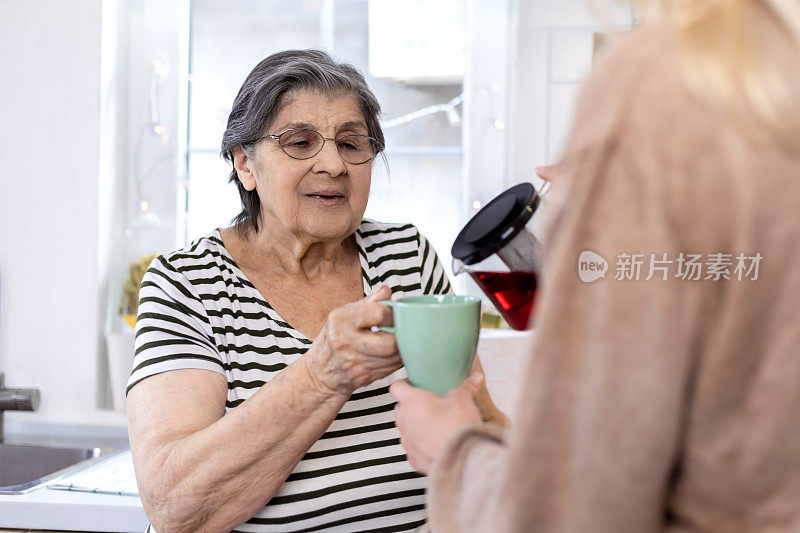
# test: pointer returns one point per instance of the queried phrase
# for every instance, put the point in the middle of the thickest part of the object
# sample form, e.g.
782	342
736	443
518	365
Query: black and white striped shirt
197	309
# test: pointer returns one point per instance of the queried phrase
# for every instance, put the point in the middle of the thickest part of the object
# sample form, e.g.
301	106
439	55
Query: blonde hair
723	60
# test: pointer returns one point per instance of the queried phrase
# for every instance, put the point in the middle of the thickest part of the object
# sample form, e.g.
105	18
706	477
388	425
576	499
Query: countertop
72	511
44	508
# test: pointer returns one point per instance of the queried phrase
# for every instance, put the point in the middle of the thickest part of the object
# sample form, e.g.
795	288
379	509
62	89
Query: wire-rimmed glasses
355	149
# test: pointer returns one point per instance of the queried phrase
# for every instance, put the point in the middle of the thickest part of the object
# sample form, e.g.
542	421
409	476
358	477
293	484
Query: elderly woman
259	391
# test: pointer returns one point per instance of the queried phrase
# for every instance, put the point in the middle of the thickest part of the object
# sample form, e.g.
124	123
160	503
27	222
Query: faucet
16	400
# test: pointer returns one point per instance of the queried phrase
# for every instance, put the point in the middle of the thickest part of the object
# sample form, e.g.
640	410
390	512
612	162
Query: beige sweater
659	405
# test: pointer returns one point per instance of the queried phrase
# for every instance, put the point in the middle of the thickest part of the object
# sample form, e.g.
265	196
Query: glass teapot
499	251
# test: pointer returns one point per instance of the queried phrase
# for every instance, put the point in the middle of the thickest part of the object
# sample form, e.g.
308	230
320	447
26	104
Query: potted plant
130	289
120	344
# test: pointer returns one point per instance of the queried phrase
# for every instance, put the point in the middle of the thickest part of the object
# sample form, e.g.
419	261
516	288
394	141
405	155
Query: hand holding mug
426	420
347	354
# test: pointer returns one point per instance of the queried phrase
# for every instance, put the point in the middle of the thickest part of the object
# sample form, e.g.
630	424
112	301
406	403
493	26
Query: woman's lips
326	195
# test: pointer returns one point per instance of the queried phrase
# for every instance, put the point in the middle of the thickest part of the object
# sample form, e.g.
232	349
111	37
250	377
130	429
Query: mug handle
387	329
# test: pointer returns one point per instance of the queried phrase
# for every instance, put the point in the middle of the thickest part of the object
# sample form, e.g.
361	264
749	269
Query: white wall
49	157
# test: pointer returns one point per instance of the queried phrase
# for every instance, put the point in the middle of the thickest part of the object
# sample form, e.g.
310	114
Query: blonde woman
663	397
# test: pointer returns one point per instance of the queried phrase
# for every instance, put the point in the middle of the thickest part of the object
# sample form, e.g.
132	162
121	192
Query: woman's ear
244	168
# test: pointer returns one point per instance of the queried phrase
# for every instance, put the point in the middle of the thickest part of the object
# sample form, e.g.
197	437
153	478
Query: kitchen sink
23	467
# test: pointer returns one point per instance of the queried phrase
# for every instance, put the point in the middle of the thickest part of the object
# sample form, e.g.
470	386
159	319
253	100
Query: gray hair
259	102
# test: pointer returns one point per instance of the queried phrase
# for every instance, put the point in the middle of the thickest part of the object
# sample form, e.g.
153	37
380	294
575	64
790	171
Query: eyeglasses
305	144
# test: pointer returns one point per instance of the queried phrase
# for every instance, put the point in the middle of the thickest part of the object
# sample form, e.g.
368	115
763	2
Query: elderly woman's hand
347	354
426	421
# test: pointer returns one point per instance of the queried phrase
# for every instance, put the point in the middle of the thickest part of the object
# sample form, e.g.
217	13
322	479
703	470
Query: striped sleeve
172	328
434	278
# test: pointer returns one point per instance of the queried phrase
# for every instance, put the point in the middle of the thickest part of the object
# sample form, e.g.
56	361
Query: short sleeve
434	278
173	331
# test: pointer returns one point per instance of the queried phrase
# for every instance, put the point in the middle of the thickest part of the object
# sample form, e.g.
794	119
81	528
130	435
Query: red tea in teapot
512	293
502	254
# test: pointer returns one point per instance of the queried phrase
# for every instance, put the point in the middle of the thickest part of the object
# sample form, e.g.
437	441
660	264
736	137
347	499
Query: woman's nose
328	160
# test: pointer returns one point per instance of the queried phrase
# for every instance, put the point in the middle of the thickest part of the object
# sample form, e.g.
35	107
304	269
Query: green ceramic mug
437	336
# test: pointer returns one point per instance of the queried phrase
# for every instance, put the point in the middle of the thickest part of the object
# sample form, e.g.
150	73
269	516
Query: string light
159	71
452	117
449	108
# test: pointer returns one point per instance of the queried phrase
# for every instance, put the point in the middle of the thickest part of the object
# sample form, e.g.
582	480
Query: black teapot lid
496	224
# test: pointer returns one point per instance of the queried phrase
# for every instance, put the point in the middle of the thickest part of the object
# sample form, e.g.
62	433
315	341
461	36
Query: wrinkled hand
426	420
347	354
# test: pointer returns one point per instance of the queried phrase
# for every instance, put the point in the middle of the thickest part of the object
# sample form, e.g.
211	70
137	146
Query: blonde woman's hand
426	421
347	354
